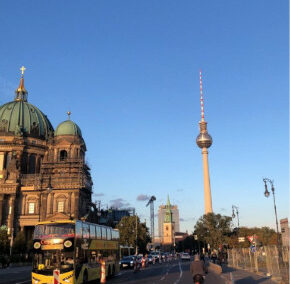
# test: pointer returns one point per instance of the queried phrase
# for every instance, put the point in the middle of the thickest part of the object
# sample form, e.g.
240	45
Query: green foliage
213	229
4	241
19	244
127	228
265	236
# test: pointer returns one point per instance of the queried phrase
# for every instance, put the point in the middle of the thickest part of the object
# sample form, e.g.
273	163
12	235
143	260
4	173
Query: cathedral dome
22	118
68	127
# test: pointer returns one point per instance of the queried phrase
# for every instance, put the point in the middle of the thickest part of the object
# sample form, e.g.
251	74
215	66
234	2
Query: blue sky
129	73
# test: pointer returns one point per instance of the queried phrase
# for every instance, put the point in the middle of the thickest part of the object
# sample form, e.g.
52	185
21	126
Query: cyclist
197	269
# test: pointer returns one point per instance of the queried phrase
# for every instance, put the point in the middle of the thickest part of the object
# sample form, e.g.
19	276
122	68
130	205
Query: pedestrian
197	269
214	257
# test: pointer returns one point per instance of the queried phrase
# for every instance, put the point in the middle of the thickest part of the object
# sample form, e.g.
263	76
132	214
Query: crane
151	202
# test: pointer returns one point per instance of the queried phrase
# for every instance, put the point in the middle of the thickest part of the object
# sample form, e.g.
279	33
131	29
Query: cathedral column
2	160
76	204
51	203
1	207
11	213
55	155
23	203
43	211
69	204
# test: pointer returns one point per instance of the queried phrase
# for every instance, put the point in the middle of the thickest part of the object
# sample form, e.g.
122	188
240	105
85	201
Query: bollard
103	272
56	276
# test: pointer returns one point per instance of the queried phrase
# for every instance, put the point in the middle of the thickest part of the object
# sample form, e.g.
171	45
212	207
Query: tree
127	228
19	243
4	241
213	229
265	236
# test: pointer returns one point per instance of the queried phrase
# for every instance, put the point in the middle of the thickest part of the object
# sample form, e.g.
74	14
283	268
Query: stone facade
42	176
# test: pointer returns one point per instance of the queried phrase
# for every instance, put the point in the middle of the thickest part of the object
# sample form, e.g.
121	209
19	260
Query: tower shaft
206	181
204	141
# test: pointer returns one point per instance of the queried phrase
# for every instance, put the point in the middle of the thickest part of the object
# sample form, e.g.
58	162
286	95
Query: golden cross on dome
22	69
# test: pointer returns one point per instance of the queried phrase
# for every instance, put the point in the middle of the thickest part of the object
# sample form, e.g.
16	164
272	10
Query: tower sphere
203	140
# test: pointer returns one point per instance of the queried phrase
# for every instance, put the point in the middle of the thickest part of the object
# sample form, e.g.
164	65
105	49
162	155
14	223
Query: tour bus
72	251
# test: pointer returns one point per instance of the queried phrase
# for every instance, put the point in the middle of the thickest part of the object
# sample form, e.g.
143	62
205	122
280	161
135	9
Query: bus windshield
46	261
54	230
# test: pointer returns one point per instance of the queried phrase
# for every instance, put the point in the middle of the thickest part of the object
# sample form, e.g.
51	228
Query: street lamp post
267	194
196	239
236	213
136	229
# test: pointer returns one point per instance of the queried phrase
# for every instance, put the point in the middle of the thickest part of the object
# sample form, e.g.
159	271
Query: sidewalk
238	276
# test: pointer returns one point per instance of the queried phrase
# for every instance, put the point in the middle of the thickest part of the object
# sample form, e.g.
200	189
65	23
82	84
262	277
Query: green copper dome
21	118
68	127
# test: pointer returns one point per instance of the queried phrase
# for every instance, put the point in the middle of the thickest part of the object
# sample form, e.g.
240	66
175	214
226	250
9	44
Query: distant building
168	226
285	232
161	217
112	216
179	236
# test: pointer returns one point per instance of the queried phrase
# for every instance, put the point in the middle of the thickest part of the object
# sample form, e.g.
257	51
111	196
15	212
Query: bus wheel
85	277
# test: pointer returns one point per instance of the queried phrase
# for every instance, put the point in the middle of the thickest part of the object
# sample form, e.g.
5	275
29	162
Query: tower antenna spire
201	95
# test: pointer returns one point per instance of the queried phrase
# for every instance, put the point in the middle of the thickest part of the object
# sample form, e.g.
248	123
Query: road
13	275
166	273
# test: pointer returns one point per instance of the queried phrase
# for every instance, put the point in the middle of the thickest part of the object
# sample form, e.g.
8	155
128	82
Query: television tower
204	141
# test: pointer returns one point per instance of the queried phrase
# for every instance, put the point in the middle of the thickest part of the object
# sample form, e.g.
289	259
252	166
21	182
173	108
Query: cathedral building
43	173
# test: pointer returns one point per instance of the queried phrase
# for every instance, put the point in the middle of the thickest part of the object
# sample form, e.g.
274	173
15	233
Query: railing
265	261
62	161
60	180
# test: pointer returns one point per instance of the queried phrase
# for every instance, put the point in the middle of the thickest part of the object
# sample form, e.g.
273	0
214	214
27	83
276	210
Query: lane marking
180	275
23	282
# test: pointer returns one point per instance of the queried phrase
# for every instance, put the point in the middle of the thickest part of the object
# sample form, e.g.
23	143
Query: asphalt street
170	272
13	275
167	273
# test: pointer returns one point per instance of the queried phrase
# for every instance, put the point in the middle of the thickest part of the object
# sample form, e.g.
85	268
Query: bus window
98	232
78	229
117	235
92	232
109	235
104	233
86	231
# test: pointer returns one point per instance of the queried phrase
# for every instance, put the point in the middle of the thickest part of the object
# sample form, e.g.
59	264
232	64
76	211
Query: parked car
150	258
185	256
155	255
127	262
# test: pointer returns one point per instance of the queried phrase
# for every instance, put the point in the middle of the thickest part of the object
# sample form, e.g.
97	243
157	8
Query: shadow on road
251	280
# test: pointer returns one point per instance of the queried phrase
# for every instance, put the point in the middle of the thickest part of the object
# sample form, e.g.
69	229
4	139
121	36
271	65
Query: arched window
24	163
63	155
32	164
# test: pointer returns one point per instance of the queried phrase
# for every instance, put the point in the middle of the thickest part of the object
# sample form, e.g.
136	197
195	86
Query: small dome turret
68	127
